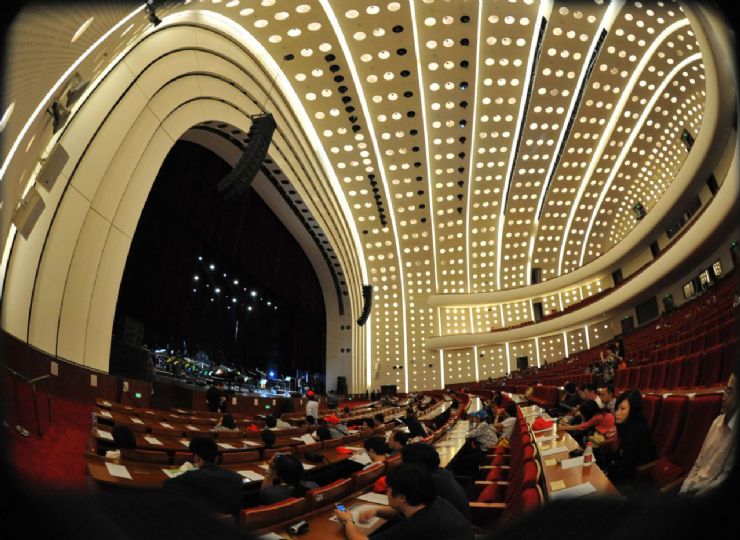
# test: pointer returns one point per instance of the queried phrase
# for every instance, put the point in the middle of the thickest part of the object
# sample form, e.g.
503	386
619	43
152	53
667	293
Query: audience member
416	429
606	395
506	426
376	449
397	441
597	421
227	423
123	437
635	445
288	471
216	398
445	484
276	424
484	434
312	407
219	489
414	509
717	455
268	438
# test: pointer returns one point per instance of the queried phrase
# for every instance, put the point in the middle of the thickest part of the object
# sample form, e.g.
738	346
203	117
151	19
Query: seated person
268	438
528	394
634	443
568	402
322	433
123	437
445	484
414	509
276	424
346	412
484	434
310	420
336	427
227	423
376	449
219	489
606	395
504	426
717	455
379	418
288	471
416	428
397	441
600	421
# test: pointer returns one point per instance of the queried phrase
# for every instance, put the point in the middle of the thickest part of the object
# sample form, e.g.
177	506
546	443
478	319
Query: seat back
182	457
659	373
651	407
267	453
711	366
147	456
167	432
367	476
669	424
306	448
645	376
240	457
701	413
229	435
730	353
266	516
673	373
691	370
393	462
328	494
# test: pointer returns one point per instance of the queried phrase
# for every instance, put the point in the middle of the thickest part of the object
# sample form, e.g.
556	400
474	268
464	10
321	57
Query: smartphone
340	507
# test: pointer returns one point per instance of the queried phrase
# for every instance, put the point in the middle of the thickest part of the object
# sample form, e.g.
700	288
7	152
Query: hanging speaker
367	296
240	178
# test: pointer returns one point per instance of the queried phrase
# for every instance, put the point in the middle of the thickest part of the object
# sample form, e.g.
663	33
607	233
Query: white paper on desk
136	420
185	442
172	473
149	412
250	443
104	434
105	414
271	536
356	516
556	450
362	459
546	438
165	424
265	466
251	475
354	448
306	438
106	403
119	471
153	440
572	462
192	428
372	497
226	445
573	492
307	466
299	438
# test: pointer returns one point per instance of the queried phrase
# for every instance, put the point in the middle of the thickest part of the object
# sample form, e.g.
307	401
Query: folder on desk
165	424
372	497
362	459
226	446
251	475
104	434
119	471
573	492
136	420
250	443
185	442
573	462
192	428
153	440
105	414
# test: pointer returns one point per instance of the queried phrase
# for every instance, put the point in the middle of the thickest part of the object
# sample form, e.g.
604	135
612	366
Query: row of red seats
678	425
720	333
704	368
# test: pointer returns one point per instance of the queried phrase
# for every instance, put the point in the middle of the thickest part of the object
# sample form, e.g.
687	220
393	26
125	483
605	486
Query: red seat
332	492
730	353
633	377
673	373
646	376
622	378
651	408
367	476
659	374
712	338
670	423
266	516
690	371
711	368
702	412
697	344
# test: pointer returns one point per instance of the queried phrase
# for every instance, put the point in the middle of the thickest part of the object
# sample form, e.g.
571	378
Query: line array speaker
367	296
240	178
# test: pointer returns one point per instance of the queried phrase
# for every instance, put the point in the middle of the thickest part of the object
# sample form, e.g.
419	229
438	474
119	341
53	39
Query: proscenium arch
62	281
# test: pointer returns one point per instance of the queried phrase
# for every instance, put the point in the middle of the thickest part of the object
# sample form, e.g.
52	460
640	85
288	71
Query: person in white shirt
312	407
276	424
717	454
484	435
606	395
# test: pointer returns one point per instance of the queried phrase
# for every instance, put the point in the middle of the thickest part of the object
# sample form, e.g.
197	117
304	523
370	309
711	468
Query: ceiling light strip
565	343
475	355
628	145
606	135
381	169
534	51
471	169
422	98
474	140
60	81
537	349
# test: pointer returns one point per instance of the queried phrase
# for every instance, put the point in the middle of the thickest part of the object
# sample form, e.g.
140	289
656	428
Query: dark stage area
223	277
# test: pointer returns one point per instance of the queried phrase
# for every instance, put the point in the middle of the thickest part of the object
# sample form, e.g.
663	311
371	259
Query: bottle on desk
588	455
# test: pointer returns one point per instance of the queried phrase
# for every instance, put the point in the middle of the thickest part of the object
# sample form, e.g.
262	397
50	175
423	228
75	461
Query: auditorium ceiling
472	141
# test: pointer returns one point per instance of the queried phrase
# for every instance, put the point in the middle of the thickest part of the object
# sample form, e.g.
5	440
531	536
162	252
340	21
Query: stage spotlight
60	114
151	14
212	266
253	293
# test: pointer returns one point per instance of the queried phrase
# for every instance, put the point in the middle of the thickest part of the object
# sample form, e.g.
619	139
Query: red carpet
56	459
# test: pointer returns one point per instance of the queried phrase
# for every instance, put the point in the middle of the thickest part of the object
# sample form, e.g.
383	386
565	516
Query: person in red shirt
599	421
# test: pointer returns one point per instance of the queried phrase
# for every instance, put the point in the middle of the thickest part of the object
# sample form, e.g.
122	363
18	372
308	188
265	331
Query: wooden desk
573	476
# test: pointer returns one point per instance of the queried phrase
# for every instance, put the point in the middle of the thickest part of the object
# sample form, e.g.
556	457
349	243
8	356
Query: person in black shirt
426	456
415	427
219	490
215	398
415	509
